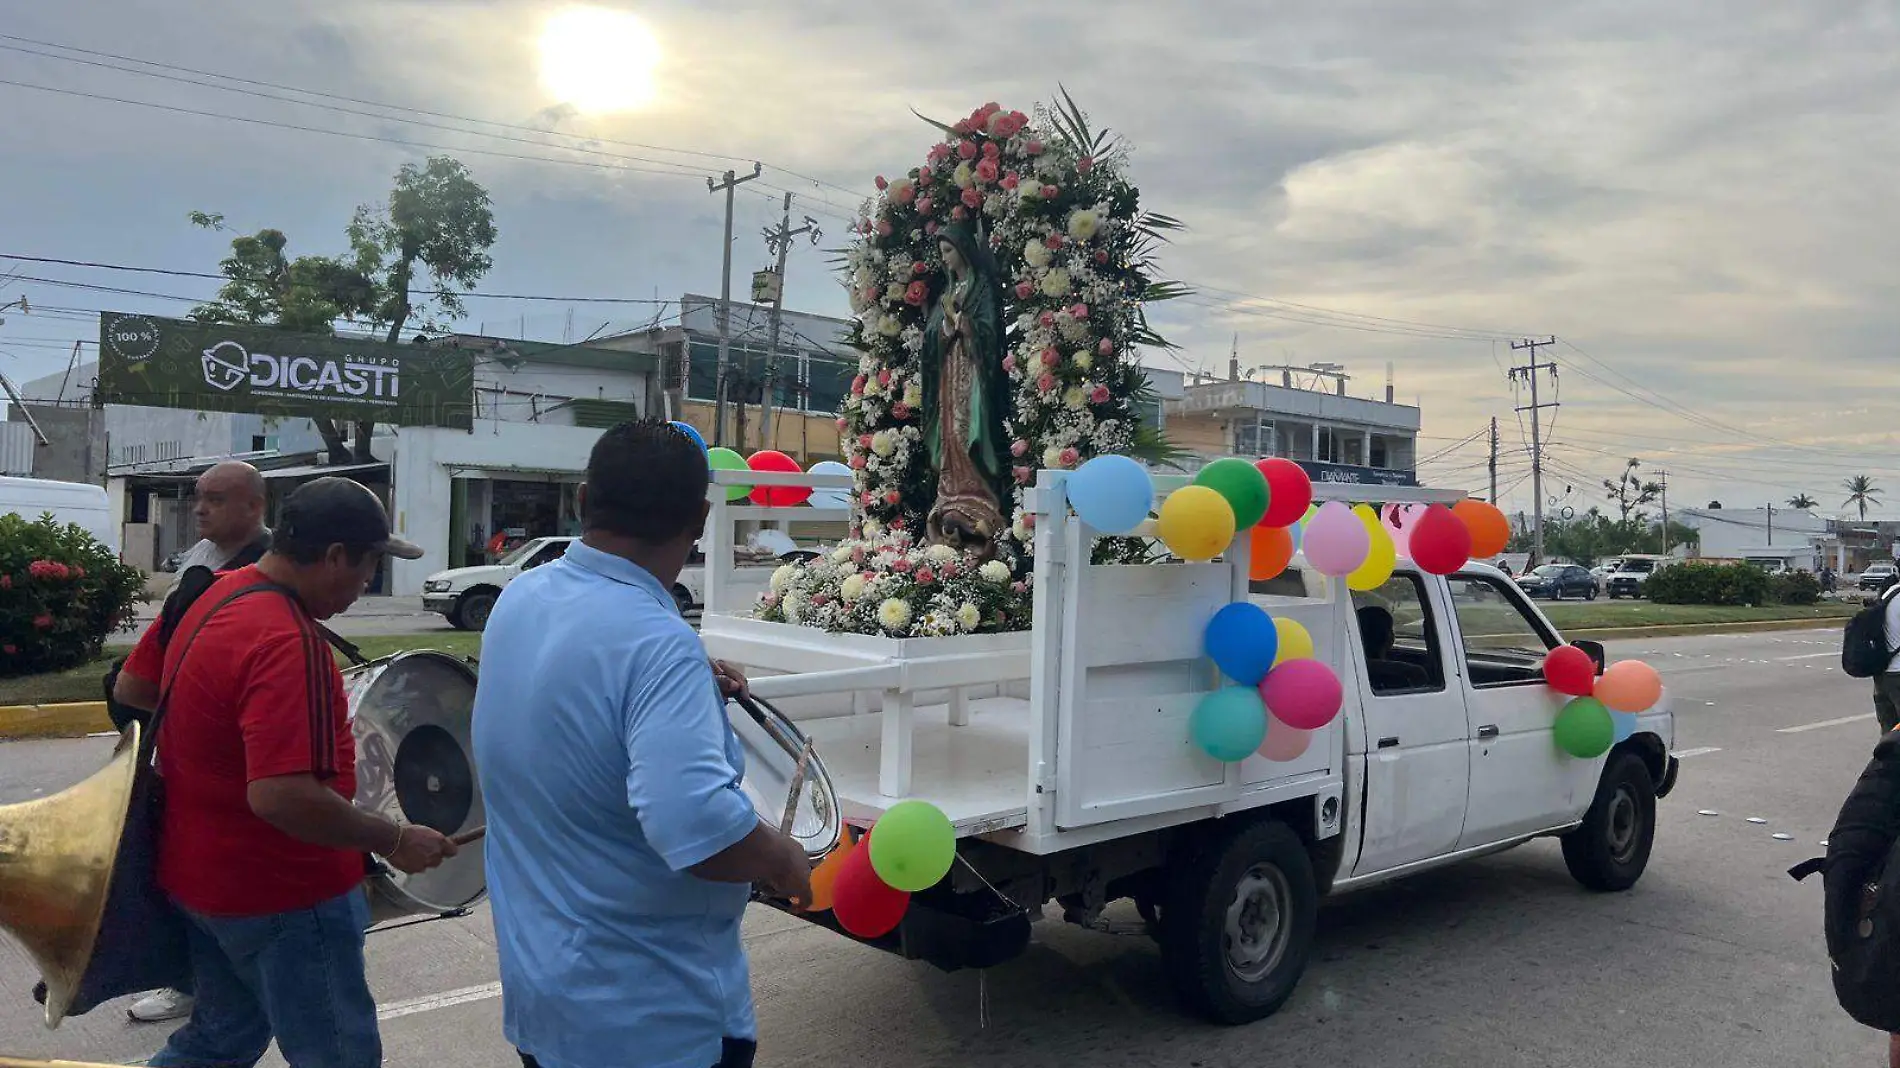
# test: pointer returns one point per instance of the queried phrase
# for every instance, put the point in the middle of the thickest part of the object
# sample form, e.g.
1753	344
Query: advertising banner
175	363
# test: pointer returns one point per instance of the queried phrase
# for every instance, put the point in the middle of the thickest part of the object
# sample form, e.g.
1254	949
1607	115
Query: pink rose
884	376
937	152
899	565
6	582
1046	383
43	622
990	151
958	213
1070	456
883	228
1053	241
924	205
1105	347
950	570
906	193
1019	587
925	178
930	227
1079	311
820	600
864	441
1085	164
915	293
1023	475
882	185
1009	365
870	294
1051	358
1049	192
1101	255
1024	290
961	128
857	555
892	497
857	462
925	575
841	422
1018	447
966	150
1010	181
897	524
1099	395
900	410
986	171
857	385
1047	319
1034	147
919	269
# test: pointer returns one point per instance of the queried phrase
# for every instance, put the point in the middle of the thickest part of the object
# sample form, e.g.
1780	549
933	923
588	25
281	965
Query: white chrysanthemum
1029	191
841	554
782	577
873	528
894	293
1018	528
894	614
1036	254
940	554
890	326
1084	224
872	388
963	176
995	571
1055	283
1084	359
882	442
968	617
1075	398
913	393
852	588
1052	456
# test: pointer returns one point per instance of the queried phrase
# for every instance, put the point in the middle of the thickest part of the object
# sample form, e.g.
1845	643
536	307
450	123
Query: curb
1678	630
74	720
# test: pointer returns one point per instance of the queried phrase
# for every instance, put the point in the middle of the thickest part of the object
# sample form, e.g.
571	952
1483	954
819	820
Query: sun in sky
599	60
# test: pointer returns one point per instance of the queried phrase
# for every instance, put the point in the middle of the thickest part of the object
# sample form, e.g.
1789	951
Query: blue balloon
1625	724
1113	494
687	429
1243	641
1229	724
830	498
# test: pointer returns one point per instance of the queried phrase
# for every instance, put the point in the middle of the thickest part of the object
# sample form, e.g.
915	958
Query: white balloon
825	497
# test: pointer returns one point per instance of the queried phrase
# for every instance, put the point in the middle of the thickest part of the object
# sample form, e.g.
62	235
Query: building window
1328	449
1256	438
1380	457
828	378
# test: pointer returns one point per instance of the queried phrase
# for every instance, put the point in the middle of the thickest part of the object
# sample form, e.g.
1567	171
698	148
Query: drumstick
798	783
466	837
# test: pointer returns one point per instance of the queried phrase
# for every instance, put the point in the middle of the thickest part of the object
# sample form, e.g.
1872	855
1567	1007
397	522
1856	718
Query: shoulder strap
165	689
1808	867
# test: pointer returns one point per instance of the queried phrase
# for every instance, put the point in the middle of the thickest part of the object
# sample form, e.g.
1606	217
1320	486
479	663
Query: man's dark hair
646	480
1375	628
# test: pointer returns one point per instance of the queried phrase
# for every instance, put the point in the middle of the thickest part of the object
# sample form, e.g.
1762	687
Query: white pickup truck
1062	756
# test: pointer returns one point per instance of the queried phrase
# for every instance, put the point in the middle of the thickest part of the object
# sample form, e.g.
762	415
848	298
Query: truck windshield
520	553
1638	567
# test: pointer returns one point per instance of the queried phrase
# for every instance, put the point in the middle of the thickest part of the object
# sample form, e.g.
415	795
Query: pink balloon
1398	520
1303	694
1283	742
1335	542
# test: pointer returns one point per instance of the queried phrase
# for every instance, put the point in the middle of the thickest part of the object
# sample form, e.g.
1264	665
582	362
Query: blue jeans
293	976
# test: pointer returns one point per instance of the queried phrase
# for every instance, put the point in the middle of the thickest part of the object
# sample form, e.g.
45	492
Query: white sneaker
161	1005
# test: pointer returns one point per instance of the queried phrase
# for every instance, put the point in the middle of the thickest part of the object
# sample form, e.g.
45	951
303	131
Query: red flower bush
61	594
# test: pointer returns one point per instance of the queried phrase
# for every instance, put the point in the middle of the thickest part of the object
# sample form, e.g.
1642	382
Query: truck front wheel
1611	849
1237	922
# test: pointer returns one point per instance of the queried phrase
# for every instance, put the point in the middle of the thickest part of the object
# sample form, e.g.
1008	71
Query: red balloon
1289	491
1569	670
1441	543
863	903
776	496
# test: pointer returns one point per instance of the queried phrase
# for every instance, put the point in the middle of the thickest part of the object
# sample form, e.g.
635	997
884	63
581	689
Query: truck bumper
443	603
953	933
1670	769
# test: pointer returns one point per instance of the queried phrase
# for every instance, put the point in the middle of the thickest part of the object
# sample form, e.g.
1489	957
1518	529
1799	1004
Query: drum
411	714
773	745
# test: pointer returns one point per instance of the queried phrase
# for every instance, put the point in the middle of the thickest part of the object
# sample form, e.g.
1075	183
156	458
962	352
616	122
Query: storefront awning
319	470
494	472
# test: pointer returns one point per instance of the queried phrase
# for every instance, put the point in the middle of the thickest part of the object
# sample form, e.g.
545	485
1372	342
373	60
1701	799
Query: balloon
1625	723
1630	686
724	459
1112	493
1242	484
1283	742
1229	724
1289	491
1381	557
1336	541
1490	531
1243	642
1303	694
690	431
861	901
1272	551
1398	521
1296	642
777	496
1584	729
1440	543
1196	523
824	878
914	846
830	498
1569	670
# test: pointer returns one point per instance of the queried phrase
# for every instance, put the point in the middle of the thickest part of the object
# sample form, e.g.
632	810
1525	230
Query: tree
1630	492
1861	491
1802	501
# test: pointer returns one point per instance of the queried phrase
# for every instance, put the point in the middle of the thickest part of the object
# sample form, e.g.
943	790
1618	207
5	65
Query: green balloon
1242	484
724	459
913	846
1584	729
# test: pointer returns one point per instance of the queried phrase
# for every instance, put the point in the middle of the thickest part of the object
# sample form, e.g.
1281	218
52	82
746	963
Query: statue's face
952	259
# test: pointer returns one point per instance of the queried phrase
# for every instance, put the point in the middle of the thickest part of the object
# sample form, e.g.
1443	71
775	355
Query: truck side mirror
1595	652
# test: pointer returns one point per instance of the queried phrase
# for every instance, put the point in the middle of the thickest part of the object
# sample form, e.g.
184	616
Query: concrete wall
76	442
1736	533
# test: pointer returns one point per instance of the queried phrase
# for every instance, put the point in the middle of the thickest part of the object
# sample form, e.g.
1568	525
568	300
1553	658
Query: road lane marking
1705	750
444	1000
1841	722
1804	656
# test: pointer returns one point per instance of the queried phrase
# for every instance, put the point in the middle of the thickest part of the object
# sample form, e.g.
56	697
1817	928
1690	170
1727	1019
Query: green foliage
1861	492
1593	537
438	217
61	593
1699	583
1794	587
1628	492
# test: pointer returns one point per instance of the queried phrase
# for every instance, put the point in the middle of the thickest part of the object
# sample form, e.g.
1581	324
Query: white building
1759	534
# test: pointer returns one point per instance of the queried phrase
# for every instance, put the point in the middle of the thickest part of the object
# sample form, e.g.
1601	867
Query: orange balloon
1490	531
824	878
1630	686
1272	551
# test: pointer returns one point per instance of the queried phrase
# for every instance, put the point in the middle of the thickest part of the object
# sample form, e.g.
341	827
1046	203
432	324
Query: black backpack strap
1808	867
341	644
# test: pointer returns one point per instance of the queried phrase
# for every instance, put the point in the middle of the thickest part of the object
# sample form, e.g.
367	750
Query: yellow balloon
1196	523
1381	556
1296	643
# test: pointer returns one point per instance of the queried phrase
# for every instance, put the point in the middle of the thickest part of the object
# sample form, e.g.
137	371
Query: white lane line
1684	754
1841	722
1804	656
444	1000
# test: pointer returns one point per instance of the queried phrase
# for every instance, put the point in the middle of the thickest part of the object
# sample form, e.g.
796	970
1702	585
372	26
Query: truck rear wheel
1237	923
472	608
1611	849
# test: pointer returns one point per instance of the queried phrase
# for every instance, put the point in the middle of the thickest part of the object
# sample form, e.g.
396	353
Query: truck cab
465	595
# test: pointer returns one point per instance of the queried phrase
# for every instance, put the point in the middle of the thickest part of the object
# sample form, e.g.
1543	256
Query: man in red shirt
260	845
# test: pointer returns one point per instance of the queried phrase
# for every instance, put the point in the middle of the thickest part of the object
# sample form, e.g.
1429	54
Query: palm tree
1802	502
1861	491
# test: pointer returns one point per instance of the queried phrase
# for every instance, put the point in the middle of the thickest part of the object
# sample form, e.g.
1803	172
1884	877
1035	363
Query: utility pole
1528	373
1494	459
731	182
779	241
1771	524
1662	480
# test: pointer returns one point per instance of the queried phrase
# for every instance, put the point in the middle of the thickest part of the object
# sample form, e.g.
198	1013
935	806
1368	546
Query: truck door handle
1388	743
1489	730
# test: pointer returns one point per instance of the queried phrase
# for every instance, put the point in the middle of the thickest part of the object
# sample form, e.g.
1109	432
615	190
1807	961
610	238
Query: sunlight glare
599	60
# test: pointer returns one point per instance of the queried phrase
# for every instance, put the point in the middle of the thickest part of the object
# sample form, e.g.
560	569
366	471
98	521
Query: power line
227	278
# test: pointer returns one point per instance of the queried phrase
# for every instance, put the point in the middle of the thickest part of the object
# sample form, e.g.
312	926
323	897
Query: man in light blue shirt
620	849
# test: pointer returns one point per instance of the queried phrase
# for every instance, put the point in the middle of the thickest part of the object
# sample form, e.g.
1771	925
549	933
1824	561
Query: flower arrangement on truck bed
889	585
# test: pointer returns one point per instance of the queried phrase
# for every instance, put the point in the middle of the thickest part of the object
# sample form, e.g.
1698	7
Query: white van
69	502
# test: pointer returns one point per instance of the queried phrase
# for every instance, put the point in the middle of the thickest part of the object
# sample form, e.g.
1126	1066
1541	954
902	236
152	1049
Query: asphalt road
1715	958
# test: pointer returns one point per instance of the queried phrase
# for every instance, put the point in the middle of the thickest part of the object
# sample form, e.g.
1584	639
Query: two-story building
1336	437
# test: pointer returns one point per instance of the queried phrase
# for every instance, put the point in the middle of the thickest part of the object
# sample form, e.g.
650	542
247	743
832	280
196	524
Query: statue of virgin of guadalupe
965	396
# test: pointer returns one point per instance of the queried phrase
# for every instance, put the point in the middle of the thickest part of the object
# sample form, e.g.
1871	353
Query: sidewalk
372	607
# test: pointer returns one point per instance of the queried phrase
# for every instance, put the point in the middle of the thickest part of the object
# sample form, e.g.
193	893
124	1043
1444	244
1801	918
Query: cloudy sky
1696	197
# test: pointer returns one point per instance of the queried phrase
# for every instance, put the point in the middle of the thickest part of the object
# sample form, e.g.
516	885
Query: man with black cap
260	846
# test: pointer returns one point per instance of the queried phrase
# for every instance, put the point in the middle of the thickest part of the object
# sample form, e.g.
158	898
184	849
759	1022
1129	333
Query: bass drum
773	745
411	714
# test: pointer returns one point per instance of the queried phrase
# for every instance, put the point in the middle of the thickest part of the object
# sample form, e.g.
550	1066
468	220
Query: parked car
1604	570
1631	573
465	595
1876	577
1557	581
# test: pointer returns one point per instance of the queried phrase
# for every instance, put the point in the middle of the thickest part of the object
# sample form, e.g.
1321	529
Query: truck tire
682	599
1237	922
1609	852
472	608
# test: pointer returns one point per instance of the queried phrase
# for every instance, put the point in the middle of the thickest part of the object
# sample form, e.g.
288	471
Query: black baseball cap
332	510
